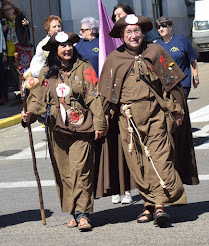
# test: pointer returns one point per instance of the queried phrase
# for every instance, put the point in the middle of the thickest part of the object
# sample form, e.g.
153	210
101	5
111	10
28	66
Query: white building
72	11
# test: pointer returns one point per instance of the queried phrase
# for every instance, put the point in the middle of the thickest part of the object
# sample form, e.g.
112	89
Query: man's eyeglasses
83	30
135	31
164	25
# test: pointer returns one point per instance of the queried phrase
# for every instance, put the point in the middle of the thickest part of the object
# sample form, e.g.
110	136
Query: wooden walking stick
29	84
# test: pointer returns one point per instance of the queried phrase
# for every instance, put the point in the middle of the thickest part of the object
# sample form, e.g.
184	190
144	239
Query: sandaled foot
84	224
72	223
146	216
161	217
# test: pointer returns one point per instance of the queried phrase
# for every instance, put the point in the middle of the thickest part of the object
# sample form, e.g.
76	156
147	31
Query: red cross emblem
62	89
45	83
162	59
91	75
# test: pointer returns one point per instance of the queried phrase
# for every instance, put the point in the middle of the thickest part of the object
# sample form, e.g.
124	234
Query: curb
10	121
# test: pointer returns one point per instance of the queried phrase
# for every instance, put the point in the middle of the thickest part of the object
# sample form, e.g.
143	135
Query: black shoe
161	218
149	216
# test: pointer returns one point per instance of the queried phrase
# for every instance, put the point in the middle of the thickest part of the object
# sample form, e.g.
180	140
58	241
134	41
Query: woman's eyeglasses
83	30
164	25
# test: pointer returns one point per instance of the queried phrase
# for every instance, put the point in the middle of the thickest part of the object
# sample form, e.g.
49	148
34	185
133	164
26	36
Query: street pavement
113	224
10	116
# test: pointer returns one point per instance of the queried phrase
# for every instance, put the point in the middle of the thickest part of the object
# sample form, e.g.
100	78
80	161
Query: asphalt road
20	220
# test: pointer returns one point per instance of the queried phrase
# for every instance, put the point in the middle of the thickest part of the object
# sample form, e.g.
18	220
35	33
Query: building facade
72	11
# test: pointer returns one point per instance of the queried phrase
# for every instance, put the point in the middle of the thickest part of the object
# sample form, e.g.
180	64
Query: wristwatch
196	78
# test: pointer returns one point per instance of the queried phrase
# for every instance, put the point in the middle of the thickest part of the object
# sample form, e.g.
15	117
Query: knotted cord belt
126	109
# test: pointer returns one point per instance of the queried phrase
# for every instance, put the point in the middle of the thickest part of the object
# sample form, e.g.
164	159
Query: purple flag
106	43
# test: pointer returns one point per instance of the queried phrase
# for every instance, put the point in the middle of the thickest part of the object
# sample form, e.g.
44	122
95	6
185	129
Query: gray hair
91	23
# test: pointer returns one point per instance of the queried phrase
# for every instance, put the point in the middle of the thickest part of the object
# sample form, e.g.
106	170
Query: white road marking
204	177
203	132
29	184
26	153
205	145
26	184
37	129
201	115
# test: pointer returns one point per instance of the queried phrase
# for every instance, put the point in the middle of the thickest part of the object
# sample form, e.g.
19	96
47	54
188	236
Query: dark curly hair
126	8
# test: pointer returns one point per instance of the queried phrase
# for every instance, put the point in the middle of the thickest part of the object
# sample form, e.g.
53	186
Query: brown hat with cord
142	21
61	37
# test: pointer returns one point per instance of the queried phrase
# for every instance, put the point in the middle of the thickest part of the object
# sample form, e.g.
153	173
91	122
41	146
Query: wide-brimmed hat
61	37
142	21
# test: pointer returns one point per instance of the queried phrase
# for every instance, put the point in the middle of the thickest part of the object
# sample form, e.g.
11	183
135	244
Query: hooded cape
115	70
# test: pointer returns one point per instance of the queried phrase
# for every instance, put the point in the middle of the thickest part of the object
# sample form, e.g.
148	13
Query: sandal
84	224
149	215
73	223
160	216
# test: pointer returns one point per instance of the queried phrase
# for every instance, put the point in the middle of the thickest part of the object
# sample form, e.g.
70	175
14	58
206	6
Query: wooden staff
32	150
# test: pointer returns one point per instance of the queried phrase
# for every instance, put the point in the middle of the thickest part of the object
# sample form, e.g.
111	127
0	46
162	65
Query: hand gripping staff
29	83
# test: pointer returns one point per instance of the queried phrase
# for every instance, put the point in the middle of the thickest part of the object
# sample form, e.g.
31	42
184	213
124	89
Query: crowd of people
111	132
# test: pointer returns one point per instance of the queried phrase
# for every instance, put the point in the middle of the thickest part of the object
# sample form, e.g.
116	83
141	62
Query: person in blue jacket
180	49
88	46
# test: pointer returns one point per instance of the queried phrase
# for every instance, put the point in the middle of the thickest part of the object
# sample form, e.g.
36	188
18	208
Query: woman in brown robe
68	86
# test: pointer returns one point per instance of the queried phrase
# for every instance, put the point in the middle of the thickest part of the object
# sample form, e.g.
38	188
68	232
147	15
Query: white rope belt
126	109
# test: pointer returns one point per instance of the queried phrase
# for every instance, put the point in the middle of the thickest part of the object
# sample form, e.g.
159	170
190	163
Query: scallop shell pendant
62	90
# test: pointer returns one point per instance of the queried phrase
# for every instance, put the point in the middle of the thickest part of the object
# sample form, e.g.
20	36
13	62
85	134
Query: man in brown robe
142	80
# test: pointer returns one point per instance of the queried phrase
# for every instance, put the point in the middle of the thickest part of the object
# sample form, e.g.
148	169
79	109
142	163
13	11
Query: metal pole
32	26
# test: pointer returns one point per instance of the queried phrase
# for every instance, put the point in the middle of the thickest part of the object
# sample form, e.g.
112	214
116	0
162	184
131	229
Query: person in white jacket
53	24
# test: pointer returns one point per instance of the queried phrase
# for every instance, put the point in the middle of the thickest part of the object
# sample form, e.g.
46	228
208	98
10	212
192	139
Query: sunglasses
83	30
164	25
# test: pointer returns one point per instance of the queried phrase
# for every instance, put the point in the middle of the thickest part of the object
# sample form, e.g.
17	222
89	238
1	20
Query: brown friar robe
72	155
116	69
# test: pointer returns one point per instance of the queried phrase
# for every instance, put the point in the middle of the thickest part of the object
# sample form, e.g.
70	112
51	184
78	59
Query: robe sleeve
172	104
36	102
92	97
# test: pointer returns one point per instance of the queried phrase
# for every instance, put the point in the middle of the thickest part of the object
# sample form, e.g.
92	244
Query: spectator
3	59
123	9
15	30
52	25
88	46
180	50
119	11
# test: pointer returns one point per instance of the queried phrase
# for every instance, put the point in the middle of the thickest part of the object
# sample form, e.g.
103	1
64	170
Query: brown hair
17	10
49	19
164	19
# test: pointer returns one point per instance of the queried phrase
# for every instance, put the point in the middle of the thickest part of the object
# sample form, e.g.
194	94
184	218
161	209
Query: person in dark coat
15	28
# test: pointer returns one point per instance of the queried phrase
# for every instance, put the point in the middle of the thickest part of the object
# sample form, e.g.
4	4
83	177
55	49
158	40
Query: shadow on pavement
21	217
190	212
124	213
128	213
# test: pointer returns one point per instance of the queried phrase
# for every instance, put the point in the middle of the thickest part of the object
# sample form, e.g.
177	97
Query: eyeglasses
83	30
6	10
135	31
163	25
